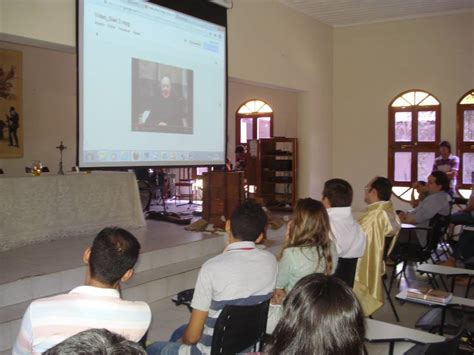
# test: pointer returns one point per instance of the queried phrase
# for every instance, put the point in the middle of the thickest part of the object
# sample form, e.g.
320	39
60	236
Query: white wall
46	20
271	44
373	64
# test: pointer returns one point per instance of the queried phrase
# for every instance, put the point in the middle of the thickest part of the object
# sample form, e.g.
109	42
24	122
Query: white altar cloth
50	207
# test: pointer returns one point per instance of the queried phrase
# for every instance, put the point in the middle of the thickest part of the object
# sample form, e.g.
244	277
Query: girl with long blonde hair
308	247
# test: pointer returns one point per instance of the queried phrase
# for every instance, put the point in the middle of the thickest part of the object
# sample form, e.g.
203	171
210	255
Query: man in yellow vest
378	222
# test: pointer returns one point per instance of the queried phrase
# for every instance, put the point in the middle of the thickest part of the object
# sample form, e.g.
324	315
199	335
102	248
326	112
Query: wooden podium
222	192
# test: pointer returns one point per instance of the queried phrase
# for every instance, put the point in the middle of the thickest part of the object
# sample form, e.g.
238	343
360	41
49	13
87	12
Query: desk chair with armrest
448	346
412	251
346	269
237	328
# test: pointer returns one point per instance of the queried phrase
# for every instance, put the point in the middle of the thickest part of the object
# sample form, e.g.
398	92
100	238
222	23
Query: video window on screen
162	97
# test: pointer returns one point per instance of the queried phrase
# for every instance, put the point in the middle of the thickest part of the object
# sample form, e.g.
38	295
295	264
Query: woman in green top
308	247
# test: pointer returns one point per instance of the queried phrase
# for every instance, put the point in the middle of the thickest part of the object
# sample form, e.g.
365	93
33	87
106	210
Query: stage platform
170	259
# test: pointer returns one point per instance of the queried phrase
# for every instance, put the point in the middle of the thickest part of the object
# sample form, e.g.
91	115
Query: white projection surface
152	86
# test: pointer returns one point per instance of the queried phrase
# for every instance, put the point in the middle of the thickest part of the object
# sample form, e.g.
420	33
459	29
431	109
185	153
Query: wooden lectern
222	192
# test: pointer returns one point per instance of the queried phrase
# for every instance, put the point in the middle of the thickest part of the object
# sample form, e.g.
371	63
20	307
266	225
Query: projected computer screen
152	86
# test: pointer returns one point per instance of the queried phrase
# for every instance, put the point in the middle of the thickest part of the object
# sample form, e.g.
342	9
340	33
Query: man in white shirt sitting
241	275
349	237
97	304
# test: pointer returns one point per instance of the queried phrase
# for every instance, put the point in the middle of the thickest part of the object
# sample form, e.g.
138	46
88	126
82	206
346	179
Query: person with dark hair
96	341
241	275
437	202
167	108
321	315
447	163
239	158
110	260
422	190
378	222
348	235
13	122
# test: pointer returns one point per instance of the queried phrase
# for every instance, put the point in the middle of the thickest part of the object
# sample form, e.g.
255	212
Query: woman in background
308	247
321	316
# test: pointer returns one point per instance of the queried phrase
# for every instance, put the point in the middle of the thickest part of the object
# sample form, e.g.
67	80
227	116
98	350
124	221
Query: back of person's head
311	228
248	221
441	179
96	341
338	192
383	186
321	315
113	253
445	144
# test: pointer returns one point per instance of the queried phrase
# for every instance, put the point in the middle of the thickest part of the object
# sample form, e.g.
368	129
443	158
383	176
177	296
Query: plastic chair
345	270
239	327
413	251
449	346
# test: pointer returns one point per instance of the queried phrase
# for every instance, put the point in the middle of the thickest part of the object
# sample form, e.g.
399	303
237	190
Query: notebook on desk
429	295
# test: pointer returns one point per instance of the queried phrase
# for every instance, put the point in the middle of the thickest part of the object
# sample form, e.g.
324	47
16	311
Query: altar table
49	207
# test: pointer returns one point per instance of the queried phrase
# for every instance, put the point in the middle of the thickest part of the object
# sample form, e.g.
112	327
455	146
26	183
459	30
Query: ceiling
338	13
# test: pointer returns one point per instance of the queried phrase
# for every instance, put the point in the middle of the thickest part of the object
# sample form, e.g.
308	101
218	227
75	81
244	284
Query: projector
224	3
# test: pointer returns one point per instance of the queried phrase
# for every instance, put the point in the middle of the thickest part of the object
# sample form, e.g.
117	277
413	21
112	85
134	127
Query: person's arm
470	205
200	304
407	218
24	340
193	332
284	269
454	168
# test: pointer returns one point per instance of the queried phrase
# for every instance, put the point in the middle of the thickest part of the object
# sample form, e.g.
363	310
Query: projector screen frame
201	9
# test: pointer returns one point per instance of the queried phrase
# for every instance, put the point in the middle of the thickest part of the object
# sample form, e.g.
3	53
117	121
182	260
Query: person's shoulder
50	299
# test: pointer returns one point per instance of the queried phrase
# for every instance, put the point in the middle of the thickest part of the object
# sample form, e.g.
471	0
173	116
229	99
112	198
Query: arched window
465	140
414	135
254	120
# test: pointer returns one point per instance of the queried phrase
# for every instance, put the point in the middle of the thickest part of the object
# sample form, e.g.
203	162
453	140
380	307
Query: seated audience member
110	260
348	235
308	247
422	190
437	202
321	315
464	249
465	215
96	341
241	275
378	222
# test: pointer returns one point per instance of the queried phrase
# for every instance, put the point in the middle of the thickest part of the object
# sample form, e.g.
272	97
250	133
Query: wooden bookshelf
272	168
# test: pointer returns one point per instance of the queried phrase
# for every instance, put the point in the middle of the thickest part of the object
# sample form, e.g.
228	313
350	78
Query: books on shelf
429	295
